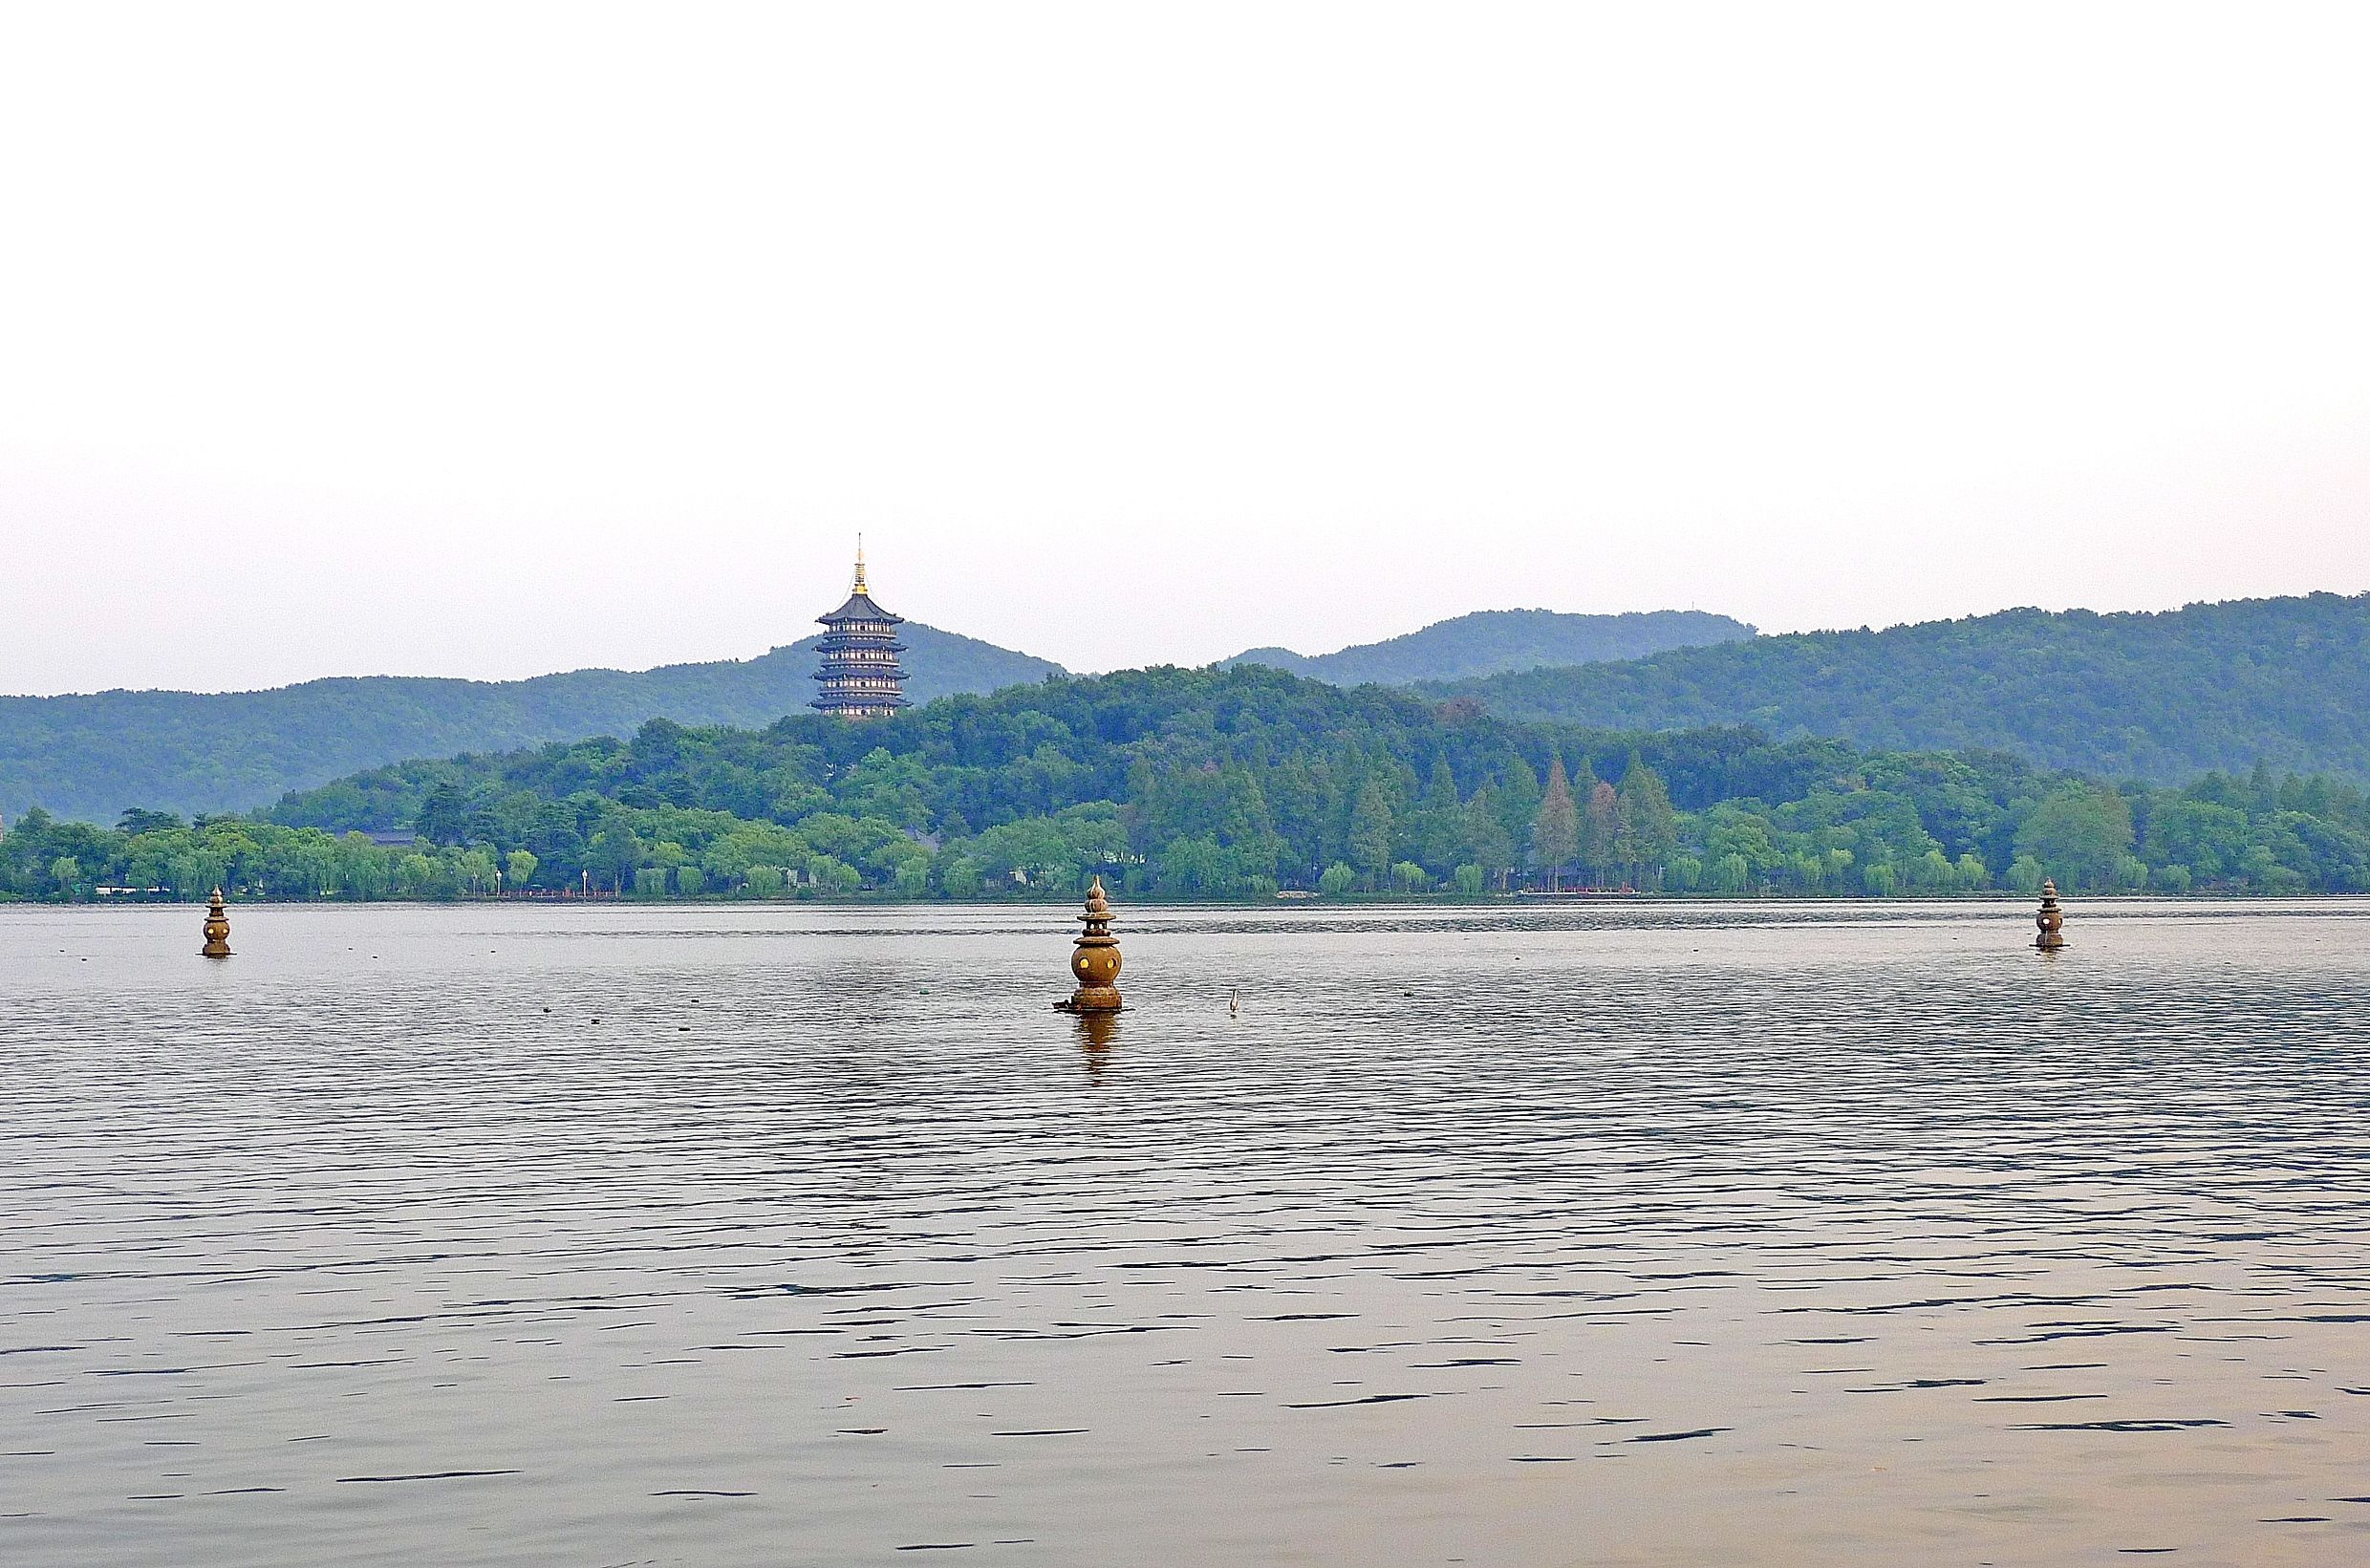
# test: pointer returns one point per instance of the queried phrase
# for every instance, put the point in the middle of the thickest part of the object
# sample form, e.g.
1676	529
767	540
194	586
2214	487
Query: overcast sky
489	341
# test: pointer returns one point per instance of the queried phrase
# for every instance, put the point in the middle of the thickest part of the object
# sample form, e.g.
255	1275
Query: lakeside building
860	676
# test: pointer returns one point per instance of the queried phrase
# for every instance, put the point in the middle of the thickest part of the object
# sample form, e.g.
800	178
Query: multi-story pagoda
860	677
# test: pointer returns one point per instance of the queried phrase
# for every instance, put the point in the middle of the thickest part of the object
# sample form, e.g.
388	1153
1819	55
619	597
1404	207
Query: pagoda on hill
860	677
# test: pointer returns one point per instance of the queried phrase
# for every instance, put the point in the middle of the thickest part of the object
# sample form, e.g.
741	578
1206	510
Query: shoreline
1508	901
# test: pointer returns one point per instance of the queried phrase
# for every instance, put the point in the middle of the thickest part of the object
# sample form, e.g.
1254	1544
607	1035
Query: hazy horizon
497	343
1313	653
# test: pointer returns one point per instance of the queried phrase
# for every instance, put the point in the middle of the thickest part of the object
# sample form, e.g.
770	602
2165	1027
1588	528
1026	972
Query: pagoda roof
859	607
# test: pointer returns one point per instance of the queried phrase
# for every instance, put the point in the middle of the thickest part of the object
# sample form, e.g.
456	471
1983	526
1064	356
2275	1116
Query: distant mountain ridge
1494	641
2161	697
92	756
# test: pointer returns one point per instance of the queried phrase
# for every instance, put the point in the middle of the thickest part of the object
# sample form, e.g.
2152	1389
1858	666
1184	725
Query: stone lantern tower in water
860	677
2051	919
1095	959
217	928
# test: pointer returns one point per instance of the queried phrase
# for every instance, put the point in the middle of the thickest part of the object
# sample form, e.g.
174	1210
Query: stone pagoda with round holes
860	677
2051	919
1094	959
217	928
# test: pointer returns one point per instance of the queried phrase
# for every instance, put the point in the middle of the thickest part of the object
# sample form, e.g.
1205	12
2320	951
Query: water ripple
1687	1233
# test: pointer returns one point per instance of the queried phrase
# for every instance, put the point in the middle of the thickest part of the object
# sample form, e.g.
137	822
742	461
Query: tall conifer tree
1555	832
1648	828
1369	833
1599	829
1485	841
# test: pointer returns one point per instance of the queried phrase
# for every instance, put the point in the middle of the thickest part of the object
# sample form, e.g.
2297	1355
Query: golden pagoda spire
860	588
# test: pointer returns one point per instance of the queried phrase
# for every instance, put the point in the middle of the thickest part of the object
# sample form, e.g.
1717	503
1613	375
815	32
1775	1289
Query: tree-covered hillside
2161	697
93	757
1489	641
1219	784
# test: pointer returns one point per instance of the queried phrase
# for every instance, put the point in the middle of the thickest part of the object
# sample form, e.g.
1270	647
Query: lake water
1632	1234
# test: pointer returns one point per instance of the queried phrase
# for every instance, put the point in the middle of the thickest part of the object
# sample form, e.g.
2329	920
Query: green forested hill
2161	697
91	756
1207	783
1489	641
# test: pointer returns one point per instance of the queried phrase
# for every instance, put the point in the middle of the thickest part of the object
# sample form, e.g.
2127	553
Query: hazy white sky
489	340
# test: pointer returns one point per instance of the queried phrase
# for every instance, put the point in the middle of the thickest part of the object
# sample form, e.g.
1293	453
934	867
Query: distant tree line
1215	785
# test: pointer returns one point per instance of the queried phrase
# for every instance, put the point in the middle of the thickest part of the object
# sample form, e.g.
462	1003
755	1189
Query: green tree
1337	880
830	874
422	876
2080	833
613	854
1195	868
1369	833
518	868
1439	823
1554	831
733	853
1484	842
473	869
1646	826
2262	790
2212	840
443	817
1516	799
1599	829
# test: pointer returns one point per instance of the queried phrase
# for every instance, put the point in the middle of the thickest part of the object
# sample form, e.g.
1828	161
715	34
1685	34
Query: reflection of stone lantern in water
1095	959
1097	1032
2051	919
217	930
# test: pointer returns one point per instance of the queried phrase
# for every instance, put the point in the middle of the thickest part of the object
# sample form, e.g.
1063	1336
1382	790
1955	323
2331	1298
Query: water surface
1631	1233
